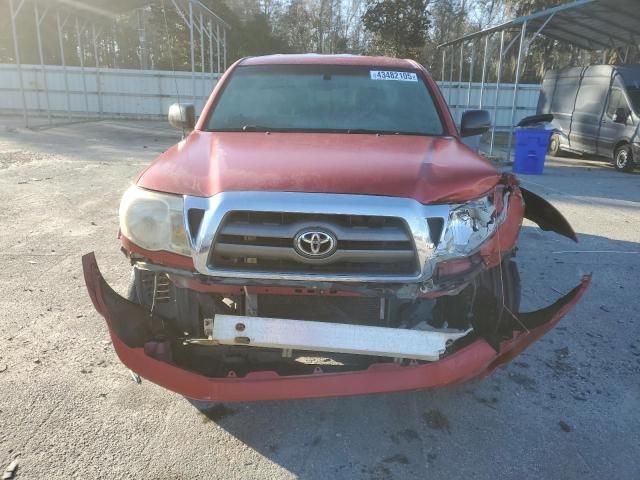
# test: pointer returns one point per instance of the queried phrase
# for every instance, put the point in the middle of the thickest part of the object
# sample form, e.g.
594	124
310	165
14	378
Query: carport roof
588	24
109	8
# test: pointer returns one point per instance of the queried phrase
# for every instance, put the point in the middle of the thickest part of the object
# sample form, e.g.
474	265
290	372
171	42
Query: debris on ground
135	376
564	426
436	420
10	471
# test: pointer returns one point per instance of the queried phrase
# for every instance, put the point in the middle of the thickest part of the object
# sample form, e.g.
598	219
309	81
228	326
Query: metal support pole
458	100
542	27
113	46
14	13
521	49
44	70
224	52
443	62
193	62
64	65
211	49
506	50
81	57
95	55
218	44
471	67
450	92
202	57
36	82
495	105
484	70
142	38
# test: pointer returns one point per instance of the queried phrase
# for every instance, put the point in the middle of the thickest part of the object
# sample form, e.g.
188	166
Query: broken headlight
154	221
469	226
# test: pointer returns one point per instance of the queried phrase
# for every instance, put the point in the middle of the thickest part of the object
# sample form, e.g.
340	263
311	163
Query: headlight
470	225
154	221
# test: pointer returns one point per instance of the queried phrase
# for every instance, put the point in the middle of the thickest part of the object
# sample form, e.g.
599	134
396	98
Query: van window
591	96
616	100
564	95
634	96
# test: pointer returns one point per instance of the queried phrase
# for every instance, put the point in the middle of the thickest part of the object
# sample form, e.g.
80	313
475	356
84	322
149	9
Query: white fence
457	96
106	92
112	93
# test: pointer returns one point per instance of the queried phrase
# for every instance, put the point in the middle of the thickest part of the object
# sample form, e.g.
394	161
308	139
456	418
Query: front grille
264	242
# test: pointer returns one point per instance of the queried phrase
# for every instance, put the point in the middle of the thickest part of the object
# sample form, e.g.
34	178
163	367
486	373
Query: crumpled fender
545	215
132	332
523	204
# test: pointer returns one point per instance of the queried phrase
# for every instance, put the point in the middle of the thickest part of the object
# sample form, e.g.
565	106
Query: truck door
585	122
615	125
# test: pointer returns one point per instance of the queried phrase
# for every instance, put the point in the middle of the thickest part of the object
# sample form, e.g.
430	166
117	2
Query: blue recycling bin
530	150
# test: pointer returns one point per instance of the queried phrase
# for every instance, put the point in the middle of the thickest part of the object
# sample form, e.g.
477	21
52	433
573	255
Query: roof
318	59
596	71
588	24
98	7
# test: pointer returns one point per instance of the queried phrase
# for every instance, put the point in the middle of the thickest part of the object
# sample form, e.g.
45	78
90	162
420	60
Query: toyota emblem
314	243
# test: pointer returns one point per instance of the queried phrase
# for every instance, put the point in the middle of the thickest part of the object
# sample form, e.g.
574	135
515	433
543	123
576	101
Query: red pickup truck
322	230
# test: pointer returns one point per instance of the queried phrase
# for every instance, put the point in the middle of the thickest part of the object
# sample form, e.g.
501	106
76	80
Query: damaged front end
213	336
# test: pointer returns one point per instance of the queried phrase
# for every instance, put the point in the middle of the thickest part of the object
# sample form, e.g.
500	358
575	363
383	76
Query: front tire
554	145
623	159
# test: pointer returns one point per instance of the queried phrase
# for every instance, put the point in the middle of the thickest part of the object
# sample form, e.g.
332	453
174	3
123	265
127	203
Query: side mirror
475	122
182	116
621	115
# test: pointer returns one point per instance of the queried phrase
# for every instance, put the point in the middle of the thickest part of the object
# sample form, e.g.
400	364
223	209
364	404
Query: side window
591	97
564	95
616	100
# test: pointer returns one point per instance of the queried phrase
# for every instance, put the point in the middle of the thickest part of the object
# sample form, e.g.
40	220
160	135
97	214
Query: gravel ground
567	408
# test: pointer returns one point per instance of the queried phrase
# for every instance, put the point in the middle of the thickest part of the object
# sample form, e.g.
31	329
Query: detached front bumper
131	330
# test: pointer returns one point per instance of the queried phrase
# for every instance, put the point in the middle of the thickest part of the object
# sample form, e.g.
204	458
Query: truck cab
322	230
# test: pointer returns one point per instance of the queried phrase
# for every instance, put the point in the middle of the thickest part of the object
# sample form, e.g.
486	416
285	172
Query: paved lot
568	408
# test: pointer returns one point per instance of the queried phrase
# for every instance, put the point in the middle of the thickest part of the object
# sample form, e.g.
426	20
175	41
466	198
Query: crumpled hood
427	169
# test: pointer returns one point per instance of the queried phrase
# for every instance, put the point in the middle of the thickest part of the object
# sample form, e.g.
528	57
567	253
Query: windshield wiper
256	128
376	132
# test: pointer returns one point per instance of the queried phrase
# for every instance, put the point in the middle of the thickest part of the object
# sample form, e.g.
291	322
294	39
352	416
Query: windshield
325	98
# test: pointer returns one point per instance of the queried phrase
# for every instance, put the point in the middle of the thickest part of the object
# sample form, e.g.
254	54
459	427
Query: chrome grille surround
412	212
359	245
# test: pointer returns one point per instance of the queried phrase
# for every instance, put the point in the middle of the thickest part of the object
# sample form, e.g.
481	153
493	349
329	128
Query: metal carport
593	25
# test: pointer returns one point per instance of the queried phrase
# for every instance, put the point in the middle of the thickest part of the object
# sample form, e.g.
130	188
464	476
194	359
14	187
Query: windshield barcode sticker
387	75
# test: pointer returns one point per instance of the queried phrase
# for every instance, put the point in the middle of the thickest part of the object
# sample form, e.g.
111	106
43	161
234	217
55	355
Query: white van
596	111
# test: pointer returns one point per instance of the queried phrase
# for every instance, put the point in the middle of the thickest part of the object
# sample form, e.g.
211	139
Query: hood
428	169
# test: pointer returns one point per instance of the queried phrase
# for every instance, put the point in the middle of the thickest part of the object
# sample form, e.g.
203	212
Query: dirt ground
568	408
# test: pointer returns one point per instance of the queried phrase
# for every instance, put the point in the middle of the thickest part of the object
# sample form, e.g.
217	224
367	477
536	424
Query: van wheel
554	146
623	159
